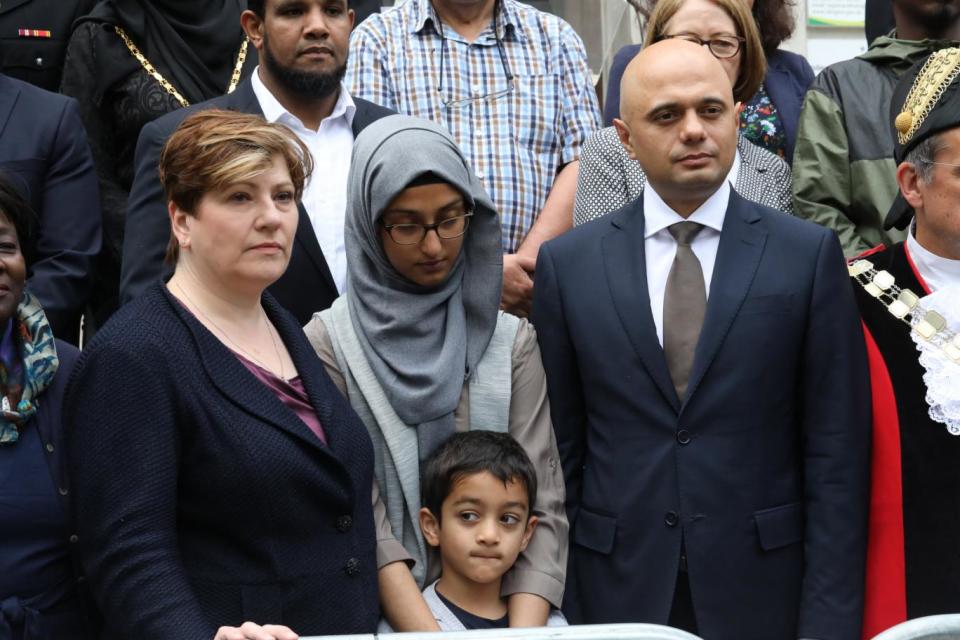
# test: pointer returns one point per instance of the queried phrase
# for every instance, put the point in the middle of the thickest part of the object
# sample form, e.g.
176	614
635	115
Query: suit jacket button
352	567
74	538
683	436
671	519
344	523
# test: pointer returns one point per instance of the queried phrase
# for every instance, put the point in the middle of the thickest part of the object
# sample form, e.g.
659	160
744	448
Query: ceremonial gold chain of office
169	88
937	73
904	305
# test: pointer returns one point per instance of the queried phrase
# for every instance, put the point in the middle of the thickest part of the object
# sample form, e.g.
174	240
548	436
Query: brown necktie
684	304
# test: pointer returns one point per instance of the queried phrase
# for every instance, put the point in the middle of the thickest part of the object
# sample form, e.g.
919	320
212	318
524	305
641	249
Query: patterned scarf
28	362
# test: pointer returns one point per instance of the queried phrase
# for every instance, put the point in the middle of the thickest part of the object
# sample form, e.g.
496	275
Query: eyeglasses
720	46
414	233
460	103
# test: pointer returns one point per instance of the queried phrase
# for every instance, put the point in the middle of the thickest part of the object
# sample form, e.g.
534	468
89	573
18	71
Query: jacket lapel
235	382
738	256
626	274
306	239
9	93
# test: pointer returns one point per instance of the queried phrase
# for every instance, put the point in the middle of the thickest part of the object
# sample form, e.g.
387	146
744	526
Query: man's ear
909	182
528	532
623	132
430	527
253	26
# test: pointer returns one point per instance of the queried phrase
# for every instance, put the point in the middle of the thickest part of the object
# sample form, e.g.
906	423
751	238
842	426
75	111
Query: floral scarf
28	362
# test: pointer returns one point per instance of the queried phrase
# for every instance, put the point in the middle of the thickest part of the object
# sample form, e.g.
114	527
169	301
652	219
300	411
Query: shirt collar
658	215
508	22
273	111
932	267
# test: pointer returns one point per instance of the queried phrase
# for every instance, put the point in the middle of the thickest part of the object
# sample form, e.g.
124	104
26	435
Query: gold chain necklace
169	88
250	356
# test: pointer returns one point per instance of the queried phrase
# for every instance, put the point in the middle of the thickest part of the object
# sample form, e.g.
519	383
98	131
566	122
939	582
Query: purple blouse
289	392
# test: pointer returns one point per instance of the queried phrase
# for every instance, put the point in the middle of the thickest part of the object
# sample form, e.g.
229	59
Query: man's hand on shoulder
517	295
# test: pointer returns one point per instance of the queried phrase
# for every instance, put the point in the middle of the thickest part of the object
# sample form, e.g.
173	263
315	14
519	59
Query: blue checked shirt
515	143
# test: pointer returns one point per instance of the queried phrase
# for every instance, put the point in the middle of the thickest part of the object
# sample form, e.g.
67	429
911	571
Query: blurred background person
769	118
220	476
33	38
40	590
130	62
610	176
45	155
844	173
420	347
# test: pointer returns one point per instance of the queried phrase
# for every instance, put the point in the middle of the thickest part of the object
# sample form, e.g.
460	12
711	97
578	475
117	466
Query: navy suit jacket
201	499
762	472
788	77
305	288
44	152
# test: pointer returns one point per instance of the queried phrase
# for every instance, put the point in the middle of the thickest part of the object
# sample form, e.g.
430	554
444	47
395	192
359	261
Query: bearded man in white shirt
303	48
709	387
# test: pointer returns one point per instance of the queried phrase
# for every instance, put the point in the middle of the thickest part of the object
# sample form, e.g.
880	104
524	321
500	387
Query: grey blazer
609	178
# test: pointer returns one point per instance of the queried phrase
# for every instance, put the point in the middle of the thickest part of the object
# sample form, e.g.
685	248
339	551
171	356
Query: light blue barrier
576	632
929	628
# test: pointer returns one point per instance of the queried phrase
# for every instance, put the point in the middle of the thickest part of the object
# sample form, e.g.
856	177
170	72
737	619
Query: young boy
478	489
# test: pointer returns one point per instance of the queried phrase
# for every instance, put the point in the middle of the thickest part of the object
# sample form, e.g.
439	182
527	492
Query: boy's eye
509	518
469	516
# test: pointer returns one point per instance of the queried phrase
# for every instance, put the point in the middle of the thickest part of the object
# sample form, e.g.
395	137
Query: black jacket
44	153
37	59
202	500
305	288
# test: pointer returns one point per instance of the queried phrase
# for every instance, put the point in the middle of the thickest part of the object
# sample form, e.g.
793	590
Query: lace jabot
941	374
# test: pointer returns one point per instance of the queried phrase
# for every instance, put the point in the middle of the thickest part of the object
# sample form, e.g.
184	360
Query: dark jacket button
344	523
63	491
74	538
671	519
352	567
683	436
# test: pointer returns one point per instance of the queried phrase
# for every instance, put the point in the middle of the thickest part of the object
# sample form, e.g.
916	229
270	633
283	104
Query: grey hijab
422	344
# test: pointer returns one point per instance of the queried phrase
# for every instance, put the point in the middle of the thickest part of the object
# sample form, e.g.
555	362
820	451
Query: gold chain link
169	88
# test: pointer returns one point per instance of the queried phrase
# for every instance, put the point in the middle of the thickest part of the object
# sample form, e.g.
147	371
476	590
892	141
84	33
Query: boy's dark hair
18	211
473	452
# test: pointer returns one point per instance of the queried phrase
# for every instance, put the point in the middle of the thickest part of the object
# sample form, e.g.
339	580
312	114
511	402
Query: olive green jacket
844	176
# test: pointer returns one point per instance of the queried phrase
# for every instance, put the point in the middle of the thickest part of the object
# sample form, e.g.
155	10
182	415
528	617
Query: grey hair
921	157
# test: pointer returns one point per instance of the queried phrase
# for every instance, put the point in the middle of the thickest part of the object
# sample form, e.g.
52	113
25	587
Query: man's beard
308	84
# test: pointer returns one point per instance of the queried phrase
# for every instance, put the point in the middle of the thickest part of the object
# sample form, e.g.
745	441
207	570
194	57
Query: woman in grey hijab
419	346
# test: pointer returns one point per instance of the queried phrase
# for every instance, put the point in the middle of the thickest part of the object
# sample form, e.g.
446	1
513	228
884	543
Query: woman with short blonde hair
221	479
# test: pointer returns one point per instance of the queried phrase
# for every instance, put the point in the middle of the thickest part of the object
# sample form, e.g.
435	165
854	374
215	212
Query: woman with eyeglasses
421	349
609	178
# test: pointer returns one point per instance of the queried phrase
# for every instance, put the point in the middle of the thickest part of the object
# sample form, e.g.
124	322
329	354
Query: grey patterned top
609	178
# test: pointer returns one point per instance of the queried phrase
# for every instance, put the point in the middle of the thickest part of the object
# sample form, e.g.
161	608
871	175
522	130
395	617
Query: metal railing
576	632
929	628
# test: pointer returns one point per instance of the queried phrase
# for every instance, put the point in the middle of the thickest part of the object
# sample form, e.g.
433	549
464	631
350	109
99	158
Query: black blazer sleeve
124	460
69	238
148	224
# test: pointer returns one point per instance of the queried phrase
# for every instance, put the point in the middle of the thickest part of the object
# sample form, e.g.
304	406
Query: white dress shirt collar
658	215
273	111
937	272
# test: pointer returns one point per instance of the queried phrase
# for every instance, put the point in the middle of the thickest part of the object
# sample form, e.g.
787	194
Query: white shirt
661	249
325	194
937	272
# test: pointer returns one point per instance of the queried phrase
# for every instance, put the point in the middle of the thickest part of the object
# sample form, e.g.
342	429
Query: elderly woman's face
428	258
241	235
13	268
706	20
